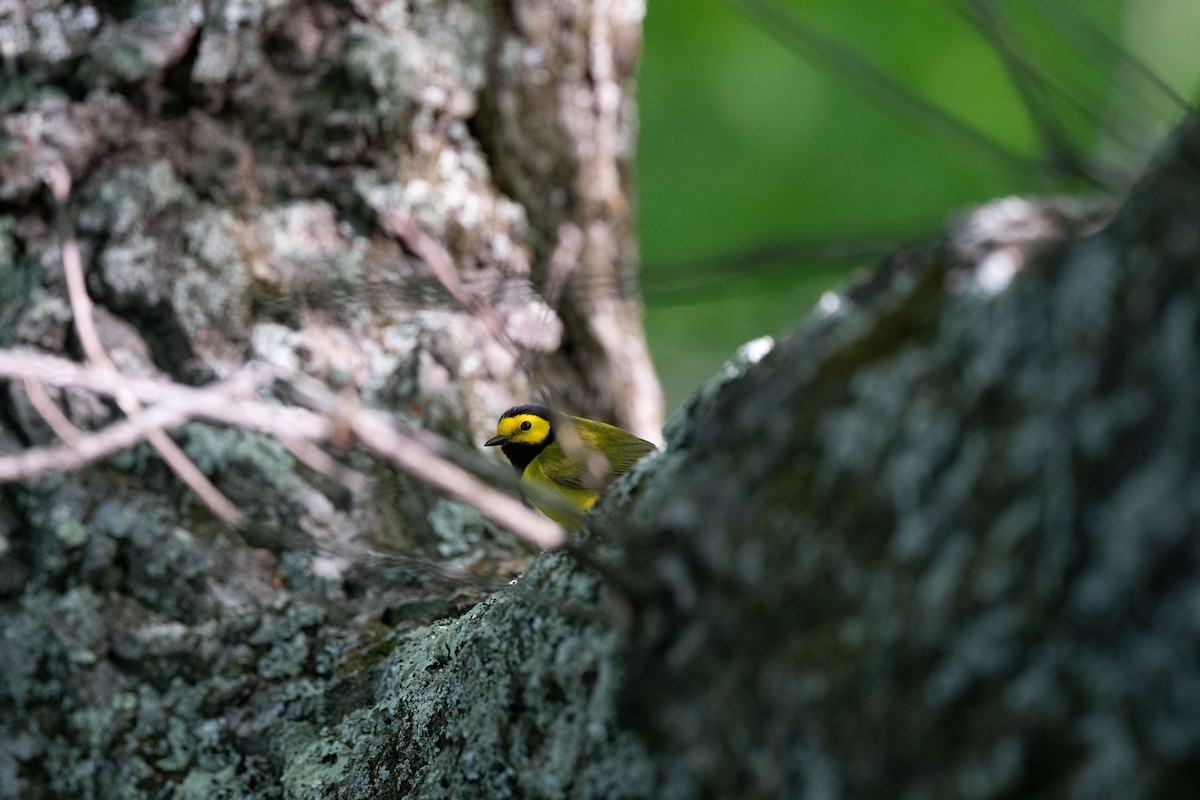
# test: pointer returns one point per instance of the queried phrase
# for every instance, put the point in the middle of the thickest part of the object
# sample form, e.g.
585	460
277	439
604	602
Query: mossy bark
944	541
357	191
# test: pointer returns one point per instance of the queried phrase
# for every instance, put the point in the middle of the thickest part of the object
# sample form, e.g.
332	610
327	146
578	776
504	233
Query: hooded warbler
568	458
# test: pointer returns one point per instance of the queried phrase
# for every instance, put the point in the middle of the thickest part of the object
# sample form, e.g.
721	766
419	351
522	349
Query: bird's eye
525	425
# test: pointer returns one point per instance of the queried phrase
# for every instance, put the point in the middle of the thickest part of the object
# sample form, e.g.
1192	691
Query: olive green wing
591	455
555	466
622	449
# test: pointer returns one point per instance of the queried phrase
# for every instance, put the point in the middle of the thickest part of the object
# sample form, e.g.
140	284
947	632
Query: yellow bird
571	459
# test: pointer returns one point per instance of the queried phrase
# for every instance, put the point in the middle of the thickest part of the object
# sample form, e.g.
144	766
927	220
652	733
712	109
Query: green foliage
744	142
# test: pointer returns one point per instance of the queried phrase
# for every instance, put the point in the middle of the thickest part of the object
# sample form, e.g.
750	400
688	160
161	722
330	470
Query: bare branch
50	412
59	181
191	475
54	371
229	403
313	394
318	460
377	432
851	67
88	447
441	263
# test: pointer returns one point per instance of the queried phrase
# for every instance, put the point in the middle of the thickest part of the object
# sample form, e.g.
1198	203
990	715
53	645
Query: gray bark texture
421	203
939	542
944	541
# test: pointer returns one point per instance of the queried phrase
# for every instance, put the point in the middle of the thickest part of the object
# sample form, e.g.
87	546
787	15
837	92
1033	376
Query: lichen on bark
940	541
306	184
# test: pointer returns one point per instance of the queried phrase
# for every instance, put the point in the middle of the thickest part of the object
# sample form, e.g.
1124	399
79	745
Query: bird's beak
495	440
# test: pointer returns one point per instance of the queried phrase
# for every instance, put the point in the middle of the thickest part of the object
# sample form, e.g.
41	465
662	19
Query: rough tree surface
945	540
423	202
941	542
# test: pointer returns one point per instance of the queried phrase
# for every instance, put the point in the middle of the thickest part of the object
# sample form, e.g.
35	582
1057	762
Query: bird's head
527	424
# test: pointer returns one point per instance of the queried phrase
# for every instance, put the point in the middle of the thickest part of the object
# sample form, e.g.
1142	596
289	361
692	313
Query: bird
568	460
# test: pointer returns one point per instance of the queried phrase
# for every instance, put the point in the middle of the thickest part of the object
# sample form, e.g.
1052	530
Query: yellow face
522	429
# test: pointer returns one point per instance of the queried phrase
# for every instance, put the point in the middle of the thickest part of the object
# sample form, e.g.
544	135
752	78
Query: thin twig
40	399
848	65
313	394
435	255
319	461
375	430
1064	156
59	181
54	371
228	404
1071	20
89	447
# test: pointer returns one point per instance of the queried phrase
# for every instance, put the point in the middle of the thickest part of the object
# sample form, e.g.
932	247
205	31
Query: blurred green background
745	144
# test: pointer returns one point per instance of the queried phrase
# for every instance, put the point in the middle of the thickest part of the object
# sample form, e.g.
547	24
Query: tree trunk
423	204
944	541
939	542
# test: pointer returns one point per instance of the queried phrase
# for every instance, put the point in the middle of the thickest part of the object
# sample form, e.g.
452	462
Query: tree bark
421	204
941	541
